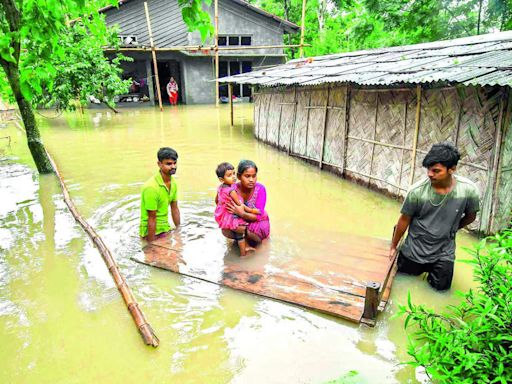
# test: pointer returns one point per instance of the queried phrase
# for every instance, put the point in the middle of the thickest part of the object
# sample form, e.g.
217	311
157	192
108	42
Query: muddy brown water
62	319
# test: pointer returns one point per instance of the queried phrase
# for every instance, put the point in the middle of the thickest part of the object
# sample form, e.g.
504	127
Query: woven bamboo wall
503	211
369	135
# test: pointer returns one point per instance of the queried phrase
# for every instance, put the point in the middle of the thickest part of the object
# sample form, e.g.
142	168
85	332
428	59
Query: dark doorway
166	69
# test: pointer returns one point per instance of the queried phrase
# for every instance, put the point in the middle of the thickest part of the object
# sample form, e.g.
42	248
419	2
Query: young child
226	192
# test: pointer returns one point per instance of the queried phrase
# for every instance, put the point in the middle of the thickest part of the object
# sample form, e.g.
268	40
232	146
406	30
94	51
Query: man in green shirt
434	210
158	193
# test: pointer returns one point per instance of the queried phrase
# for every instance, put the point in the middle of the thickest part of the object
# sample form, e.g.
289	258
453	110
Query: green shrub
472	341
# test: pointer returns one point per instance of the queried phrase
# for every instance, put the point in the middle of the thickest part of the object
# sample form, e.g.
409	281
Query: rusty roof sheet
477	60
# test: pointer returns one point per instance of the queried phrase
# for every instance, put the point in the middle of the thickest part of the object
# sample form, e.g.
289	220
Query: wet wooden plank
335	286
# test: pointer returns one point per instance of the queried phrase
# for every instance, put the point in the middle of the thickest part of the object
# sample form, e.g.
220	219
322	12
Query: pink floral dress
225	219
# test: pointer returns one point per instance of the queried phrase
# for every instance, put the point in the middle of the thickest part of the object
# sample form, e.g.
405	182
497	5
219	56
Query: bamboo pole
416	133
307	123
268	116
396	146
155	64
320	164
406	105
292	128
143	326
216	47
279	121
374	133
203	48
346	128
302	26
230	95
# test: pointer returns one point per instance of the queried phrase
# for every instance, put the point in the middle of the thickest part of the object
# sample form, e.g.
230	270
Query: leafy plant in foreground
472	341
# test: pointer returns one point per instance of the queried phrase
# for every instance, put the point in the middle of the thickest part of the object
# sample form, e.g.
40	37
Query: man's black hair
444	153
166	153
222	168
244	165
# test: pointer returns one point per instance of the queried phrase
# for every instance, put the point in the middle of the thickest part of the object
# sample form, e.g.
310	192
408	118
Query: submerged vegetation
472	342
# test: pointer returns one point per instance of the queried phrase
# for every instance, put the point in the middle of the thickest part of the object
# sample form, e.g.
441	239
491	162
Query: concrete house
240	24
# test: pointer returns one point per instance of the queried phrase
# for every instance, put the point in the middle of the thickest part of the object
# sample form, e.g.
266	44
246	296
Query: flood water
62	319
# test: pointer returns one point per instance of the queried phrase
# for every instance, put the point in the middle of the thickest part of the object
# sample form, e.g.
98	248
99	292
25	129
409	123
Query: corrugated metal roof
477	60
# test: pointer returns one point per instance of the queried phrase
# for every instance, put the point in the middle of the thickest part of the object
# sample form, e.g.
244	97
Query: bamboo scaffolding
143	326
194	48
416	133
302	27
153	53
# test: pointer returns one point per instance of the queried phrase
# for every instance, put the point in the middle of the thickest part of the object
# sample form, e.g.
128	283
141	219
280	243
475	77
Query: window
223	40
234	40
128	40
245	40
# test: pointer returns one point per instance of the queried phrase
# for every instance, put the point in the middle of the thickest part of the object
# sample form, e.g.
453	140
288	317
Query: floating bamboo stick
155	64
143	326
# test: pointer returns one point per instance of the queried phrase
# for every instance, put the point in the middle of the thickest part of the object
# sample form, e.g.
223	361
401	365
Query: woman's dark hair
444	153
222	168
244	165
166	153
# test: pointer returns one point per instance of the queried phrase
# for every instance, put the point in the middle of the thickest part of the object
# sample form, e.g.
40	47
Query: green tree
30	43
85	71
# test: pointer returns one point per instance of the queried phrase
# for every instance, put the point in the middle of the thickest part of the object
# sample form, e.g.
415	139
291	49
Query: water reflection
60	309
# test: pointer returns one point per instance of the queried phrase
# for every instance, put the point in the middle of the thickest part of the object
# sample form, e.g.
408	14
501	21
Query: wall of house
368	134
196	68
237	20
166	22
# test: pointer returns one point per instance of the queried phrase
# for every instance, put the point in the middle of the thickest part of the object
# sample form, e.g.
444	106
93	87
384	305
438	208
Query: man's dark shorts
440	273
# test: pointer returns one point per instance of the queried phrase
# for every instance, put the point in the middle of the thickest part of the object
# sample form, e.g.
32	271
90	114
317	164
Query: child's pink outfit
225	219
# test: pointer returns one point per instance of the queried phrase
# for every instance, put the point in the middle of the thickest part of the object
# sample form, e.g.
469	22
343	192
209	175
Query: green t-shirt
435	219
156	197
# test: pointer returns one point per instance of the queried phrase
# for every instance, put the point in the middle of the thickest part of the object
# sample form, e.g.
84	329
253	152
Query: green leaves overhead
338	26
196	18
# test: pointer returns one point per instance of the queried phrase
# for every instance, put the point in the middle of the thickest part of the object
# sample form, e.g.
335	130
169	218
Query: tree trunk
35	143
479	17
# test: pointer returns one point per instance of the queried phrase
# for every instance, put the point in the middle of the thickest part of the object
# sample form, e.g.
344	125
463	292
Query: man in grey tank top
434	210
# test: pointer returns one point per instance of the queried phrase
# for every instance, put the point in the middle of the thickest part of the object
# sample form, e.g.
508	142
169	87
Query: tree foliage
472	342
345	25
36	40
196	18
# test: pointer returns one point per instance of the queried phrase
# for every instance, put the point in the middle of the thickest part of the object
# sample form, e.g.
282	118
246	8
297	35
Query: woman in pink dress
254	195
227	194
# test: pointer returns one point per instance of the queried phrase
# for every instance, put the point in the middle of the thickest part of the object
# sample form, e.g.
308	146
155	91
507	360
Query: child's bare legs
242	243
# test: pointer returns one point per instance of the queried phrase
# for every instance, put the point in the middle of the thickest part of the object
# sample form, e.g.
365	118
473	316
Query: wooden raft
353	284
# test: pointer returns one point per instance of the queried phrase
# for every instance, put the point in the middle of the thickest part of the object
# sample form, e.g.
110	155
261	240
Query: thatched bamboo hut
372	115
